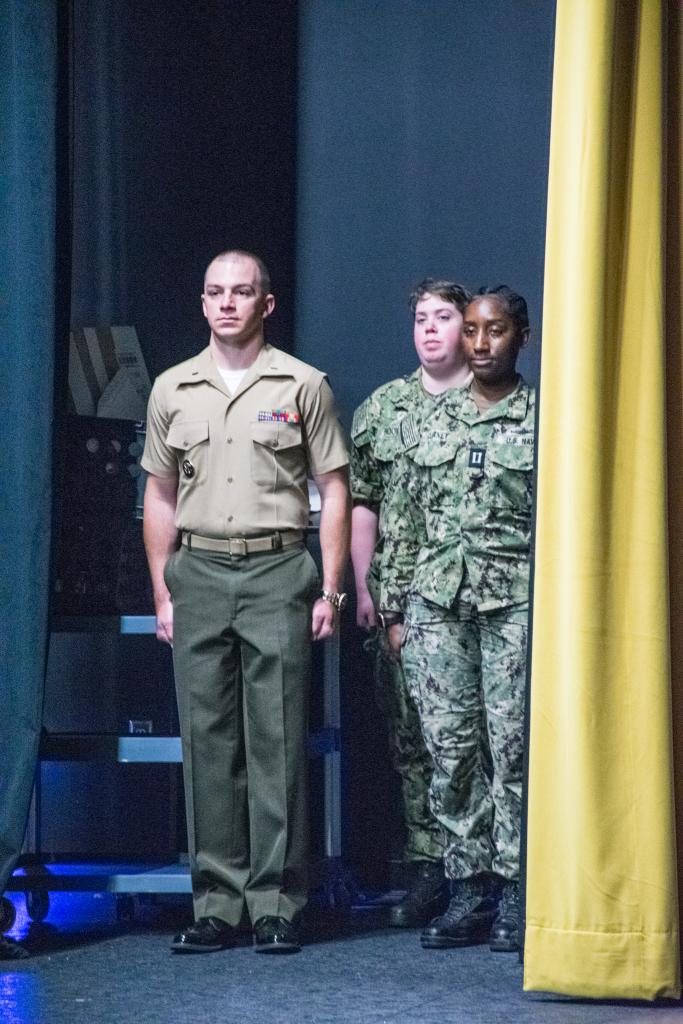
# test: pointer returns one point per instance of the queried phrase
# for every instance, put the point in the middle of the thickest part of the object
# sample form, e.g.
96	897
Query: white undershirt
232	378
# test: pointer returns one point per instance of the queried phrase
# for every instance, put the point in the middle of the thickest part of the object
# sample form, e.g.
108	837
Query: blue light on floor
19	998
23	921
69	913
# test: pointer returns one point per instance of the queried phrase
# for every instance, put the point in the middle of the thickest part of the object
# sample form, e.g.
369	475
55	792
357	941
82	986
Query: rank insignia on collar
477	457
278	416
188	469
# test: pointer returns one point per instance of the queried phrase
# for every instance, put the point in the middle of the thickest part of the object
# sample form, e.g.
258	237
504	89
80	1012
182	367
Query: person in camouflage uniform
383	425
457	560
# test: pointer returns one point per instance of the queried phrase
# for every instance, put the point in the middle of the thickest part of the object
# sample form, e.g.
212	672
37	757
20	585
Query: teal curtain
34	302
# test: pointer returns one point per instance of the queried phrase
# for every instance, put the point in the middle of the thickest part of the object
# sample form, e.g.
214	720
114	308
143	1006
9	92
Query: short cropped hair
449	291
516	305
242	254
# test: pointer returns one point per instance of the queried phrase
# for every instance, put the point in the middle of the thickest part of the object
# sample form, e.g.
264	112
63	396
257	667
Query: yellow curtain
674	387
602	909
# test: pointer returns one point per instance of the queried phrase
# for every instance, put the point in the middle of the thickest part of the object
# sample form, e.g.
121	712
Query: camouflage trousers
410	757
466	671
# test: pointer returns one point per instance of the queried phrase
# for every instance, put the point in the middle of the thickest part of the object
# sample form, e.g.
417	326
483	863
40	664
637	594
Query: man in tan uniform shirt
232	436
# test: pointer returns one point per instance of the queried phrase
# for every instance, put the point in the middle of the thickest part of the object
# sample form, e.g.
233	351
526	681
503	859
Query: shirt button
229	440
229	479
229	519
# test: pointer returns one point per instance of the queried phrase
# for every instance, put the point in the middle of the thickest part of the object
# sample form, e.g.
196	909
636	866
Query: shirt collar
268	363
513	407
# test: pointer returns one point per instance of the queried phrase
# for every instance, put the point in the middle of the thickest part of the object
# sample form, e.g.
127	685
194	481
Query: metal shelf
37	879
112	876
126	625
106	747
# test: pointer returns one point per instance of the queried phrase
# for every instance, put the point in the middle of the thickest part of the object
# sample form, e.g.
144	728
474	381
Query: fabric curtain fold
674	387
602	911
31	306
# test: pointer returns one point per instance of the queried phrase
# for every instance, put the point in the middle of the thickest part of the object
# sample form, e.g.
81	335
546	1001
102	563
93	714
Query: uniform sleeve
405	533
325	441
158	458
367	485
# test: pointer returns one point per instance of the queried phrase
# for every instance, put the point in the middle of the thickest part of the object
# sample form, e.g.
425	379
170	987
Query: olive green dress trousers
242	629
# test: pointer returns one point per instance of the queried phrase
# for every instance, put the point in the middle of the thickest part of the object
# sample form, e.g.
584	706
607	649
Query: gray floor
87	967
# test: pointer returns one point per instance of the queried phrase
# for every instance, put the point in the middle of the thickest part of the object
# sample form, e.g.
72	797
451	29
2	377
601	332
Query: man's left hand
324	619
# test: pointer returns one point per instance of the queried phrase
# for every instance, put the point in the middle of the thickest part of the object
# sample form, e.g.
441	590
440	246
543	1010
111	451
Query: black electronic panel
100	559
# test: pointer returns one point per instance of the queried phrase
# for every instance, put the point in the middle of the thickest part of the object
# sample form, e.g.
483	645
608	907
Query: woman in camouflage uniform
458	566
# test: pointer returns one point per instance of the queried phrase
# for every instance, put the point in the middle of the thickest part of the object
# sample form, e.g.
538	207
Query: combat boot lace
426	896
504	936
468	917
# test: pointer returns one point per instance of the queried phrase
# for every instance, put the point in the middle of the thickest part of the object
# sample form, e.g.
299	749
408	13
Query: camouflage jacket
463	505
385	425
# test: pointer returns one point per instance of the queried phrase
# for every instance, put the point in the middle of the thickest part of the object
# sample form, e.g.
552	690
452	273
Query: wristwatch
387	619
337	601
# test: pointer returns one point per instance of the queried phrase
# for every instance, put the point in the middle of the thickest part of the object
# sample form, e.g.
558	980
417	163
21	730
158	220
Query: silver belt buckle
238	547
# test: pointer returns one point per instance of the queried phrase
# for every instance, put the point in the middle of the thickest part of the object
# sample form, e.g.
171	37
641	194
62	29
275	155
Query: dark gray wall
423	135
423	146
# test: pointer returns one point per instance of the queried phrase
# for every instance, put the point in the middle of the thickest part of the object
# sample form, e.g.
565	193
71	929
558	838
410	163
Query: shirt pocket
510	474
277	455
436	482
387	444
190	439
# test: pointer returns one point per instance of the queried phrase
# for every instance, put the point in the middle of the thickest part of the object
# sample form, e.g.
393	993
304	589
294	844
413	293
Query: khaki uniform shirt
242	460
465	506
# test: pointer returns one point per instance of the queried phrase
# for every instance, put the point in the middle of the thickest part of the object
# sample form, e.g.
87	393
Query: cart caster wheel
341	897
125	908
37	904
8	915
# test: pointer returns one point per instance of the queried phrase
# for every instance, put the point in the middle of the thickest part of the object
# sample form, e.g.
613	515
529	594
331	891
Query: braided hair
516	305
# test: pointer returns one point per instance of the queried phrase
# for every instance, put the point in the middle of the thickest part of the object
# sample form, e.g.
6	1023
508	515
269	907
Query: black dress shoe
504	936
468	917
11	950
275	935
427	895
207	935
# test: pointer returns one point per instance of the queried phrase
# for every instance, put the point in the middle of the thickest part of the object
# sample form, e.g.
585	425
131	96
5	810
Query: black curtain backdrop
34	292
184	145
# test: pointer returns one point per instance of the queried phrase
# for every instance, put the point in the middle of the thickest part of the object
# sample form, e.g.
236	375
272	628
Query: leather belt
239	547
